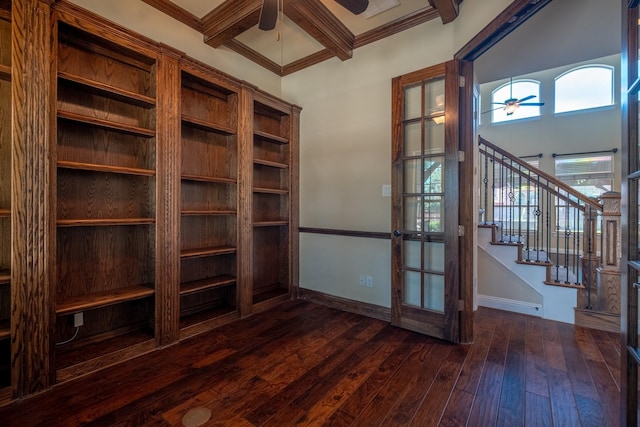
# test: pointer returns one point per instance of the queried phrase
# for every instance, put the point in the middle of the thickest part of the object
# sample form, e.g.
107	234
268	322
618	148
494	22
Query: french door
426	292
631	199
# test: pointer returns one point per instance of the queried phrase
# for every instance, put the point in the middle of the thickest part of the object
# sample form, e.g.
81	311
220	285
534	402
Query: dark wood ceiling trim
448	9
230	19
314	18
254	56
177	13
416	18
511	18
307	61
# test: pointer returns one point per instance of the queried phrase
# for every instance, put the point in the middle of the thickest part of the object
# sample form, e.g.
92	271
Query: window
590	175
583	88
516	89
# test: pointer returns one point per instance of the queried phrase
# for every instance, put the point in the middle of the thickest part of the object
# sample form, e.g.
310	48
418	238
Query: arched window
515	90
583	88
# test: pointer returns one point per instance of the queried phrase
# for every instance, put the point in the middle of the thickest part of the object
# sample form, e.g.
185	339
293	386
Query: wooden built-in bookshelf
162	198
106	169
209	206
270	201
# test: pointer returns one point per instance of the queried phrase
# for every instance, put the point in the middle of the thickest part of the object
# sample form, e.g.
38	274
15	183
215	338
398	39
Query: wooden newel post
590	260
609	270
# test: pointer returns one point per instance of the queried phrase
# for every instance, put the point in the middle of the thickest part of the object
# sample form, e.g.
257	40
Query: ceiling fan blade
499	103
526	98
493	109
354	6
268	15
532	104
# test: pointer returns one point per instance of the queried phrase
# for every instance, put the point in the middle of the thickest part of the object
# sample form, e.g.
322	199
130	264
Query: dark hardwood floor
305	364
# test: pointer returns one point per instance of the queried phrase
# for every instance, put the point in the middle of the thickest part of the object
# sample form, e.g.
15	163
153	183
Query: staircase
543	248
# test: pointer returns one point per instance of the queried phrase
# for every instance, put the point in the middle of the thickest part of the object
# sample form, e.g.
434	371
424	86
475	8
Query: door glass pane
412	102
434	96
433	175
412	139
433	214
434	256
412	288
434	137
412	214
412	176
412	254
434	292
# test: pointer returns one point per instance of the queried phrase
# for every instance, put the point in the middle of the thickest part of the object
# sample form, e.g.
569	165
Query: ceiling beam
230	19
254	56
448	9
307	61
314	18
418	17
176	12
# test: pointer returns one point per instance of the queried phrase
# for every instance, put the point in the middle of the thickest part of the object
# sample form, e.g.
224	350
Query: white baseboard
510	305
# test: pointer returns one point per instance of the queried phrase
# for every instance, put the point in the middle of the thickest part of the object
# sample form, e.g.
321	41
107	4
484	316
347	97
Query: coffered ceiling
307	31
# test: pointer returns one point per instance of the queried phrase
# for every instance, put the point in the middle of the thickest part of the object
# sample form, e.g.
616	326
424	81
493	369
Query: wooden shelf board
89	354
270	223
270	190
104	222
269	163
107	124
207	319
109	90
105	168
5	213
203	178
204	284
271	291
270	137
207	212
207	125
201	252
102	299
5	329
5	277
5	72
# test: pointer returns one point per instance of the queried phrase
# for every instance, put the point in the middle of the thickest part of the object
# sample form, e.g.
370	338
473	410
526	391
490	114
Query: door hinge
460	230
460	305
463	81
461	156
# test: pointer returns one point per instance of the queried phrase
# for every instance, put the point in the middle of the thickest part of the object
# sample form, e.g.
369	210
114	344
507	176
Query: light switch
386	190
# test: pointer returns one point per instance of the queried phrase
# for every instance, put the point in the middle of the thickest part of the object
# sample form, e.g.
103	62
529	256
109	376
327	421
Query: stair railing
553	224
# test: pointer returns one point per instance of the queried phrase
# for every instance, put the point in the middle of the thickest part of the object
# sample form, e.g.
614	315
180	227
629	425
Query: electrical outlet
369	282
362	280
78	319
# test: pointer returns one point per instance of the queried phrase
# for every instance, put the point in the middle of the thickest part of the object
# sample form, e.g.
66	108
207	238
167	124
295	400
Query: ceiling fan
269	11
512	104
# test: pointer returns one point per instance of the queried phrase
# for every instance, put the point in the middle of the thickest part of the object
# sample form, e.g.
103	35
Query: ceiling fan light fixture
511	108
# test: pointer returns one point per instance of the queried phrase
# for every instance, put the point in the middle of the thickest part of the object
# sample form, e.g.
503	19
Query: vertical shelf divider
168	200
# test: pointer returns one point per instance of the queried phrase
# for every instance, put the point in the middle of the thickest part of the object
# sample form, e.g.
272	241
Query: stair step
564	284
505	244
538	263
